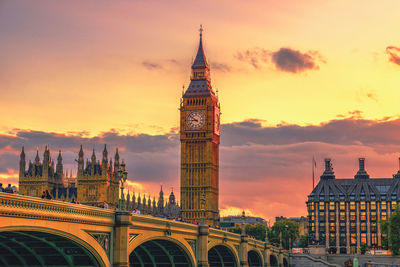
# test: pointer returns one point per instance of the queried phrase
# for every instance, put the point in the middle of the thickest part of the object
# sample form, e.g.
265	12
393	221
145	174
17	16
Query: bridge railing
14	205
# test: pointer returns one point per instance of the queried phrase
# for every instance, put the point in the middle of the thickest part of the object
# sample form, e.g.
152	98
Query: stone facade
157	208
200	138
45	175
98	182
344	213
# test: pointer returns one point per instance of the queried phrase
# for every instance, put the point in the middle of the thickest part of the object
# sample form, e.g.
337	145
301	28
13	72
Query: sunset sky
296	79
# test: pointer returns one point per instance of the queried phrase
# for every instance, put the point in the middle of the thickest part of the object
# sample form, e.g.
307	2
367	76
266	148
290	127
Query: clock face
195	120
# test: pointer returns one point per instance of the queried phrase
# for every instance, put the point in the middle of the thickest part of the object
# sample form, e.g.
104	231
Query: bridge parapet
13	205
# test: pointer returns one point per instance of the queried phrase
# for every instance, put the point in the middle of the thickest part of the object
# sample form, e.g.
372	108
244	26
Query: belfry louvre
344	213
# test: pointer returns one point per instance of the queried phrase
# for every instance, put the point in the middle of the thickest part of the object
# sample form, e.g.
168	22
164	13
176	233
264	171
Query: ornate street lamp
123	176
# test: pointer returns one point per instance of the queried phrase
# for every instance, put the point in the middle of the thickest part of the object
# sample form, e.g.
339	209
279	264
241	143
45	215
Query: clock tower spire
200	138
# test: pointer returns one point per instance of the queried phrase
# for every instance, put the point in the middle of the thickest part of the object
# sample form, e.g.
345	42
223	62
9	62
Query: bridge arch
27	246
273	260
285	262
254	258
160	251
222	255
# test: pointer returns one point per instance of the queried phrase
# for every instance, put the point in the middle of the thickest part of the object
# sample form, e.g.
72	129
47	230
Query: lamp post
243	223
123	176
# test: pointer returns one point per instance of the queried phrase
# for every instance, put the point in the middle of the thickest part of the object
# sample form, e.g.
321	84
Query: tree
391	228
288	229
363	248
256	231
303	242
394	232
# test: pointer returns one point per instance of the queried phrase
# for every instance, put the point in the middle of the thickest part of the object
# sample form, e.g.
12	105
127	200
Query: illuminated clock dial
195	120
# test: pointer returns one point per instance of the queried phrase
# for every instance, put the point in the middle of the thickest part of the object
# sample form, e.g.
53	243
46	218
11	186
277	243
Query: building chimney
397	175
361	174
328	173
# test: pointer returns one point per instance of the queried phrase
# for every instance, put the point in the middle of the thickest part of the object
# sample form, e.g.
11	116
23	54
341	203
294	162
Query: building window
363	216
394	205
352	216
331	216
342	216
383	216
373	205
332	227
352	227
383	205
342	206
362	206
322	216
363	227
332	205
353	239
373	226
373	216
364	238
373	239
321	205
352	205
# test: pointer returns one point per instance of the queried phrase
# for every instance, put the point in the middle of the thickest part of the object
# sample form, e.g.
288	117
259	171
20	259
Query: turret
172	198
93	158
328	173
105	153
46	156
362	173
59	167
22	163
149	210
133	200
81	162
139	203
116	164
161	201
37	159
144	204
154	206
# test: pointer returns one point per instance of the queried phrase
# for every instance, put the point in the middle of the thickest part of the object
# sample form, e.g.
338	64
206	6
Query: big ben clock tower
200	138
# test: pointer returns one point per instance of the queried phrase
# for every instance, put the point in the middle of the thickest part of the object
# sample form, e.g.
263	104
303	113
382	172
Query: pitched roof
377	189
200	61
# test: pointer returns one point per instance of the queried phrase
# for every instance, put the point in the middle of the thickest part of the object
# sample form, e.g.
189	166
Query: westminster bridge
38	232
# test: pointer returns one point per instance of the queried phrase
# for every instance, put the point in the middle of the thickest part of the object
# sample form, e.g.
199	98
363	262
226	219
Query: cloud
255	56
260	166
151	65
285	59
221	67
289	60
394	54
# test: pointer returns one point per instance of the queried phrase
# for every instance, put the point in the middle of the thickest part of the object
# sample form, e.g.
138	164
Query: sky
296	80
